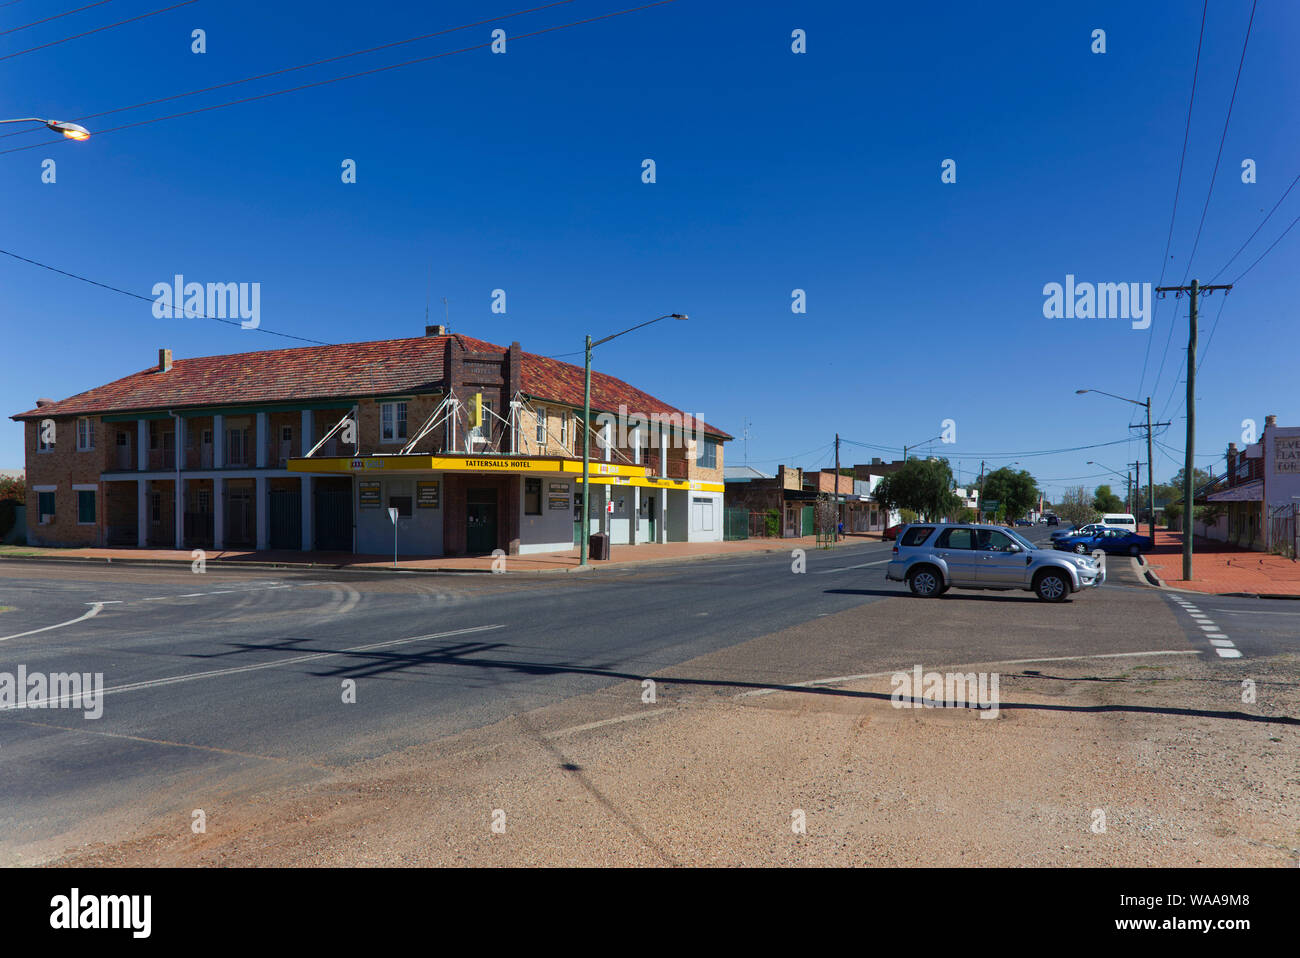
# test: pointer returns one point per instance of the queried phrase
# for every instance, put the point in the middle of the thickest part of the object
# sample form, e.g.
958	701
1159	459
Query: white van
1120	520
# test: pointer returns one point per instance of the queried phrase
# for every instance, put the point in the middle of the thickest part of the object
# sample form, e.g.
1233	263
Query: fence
1282	531
735	524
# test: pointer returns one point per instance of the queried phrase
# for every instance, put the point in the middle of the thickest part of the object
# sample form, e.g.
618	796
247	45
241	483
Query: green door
807	523
481	521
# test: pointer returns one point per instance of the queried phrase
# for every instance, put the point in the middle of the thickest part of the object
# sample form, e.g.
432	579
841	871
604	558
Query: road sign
990	505
609	507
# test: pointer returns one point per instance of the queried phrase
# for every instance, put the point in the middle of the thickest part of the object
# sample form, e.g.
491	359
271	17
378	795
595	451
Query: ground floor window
45	504
85	507
532	497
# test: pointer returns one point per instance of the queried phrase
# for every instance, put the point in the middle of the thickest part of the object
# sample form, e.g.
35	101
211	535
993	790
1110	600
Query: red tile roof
345	371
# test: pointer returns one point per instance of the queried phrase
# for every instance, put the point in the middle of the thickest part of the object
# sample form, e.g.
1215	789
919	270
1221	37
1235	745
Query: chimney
43	402
164	360
1270	422
875	460
438	330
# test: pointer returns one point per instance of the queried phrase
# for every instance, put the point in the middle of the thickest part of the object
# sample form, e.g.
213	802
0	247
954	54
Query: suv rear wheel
926	582
1052	586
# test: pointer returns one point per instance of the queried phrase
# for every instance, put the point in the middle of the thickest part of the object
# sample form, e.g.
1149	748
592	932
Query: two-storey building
477	447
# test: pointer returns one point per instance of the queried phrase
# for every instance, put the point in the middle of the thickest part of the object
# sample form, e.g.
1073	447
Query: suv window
915	536
956	539
990	540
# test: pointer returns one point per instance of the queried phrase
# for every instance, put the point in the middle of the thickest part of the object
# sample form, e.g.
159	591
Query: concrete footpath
567	561
1222	569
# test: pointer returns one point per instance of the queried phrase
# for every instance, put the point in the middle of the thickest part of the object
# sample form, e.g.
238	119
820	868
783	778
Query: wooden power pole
1189	489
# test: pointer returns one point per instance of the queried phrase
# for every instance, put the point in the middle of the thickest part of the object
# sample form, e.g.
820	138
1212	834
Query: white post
218	441
179	532
307	438
262	440
218	513
262	507
142	512
308	536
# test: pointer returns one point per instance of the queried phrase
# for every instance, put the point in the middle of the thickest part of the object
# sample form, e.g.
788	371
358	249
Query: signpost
990	506
392	514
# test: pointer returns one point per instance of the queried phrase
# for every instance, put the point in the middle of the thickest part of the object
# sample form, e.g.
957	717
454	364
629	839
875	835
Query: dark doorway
286	519
480	521
332	511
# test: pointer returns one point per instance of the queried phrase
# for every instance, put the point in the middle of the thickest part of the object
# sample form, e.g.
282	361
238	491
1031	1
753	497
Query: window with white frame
483	431
392	421
45	437
85	434
564	428
541	425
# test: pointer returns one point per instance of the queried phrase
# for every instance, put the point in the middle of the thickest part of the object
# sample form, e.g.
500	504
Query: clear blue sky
775	171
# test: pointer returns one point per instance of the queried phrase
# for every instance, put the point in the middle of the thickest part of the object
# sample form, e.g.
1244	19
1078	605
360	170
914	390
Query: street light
1151	481
73	131
1128	479
586	427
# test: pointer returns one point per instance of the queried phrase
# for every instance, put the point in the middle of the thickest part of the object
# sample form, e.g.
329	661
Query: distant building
1259	492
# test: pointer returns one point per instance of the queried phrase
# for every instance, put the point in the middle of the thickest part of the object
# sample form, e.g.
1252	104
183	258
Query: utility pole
1189	504
836	530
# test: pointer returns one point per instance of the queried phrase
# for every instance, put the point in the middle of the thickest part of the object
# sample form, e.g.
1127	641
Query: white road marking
1251	612
1229	653
94	611
609	721
1221	643
214	673
876	675
860	565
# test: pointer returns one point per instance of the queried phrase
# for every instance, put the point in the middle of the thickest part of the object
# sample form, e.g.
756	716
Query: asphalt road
220	684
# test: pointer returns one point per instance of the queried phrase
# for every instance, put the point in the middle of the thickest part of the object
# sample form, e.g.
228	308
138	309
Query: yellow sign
476	411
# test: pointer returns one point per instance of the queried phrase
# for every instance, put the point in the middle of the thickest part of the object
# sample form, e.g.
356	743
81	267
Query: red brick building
478	447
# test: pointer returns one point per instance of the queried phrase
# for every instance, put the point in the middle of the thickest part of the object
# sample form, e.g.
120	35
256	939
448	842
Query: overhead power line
300	66
57	16
150	300
1178	186
353	76
78	36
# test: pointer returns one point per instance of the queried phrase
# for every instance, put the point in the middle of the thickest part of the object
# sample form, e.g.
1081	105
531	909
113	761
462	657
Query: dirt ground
1106	761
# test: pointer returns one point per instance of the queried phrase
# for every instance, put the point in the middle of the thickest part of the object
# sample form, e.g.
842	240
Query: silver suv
933	557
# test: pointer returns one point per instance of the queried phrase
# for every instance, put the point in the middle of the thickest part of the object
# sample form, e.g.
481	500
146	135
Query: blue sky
775	171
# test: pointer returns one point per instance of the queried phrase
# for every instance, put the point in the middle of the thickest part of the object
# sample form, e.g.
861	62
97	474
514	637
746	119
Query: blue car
1119	541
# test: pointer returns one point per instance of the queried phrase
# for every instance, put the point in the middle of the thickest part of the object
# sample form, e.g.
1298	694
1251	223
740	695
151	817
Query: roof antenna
428	291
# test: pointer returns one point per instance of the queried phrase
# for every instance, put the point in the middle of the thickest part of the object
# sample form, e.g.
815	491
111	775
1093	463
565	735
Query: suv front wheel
1052	587
926	582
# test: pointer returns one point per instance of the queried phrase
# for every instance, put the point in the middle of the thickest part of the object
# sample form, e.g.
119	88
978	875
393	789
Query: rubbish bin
598	546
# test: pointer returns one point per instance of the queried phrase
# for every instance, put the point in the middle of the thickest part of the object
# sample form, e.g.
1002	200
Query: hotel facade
477	447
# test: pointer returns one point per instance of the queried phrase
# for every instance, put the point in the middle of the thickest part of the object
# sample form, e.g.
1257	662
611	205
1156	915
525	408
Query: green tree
1015	491
1103	500
921	485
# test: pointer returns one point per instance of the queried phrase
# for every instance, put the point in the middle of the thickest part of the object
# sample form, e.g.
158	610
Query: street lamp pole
1151	480
586	428
72	131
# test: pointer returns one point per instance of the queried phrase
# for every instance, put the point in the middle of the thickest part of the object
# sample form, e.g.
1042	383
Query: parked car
1052	520
1024	522
1073	530
1115	540
933	558
892	532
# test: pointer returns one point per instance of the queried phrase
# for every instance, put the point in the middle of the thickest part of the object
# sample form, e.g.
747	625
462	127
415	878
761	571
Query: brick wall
62	467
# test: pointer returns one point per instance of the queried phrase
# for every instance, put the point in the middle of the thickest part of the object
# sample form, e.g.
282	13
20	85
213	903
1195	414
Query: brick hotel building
477	446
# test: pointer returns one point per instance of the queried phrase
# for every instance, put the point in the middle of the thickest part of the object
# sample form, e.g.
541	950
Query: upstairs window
392	421
564	429
709	454
541	425
85	435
